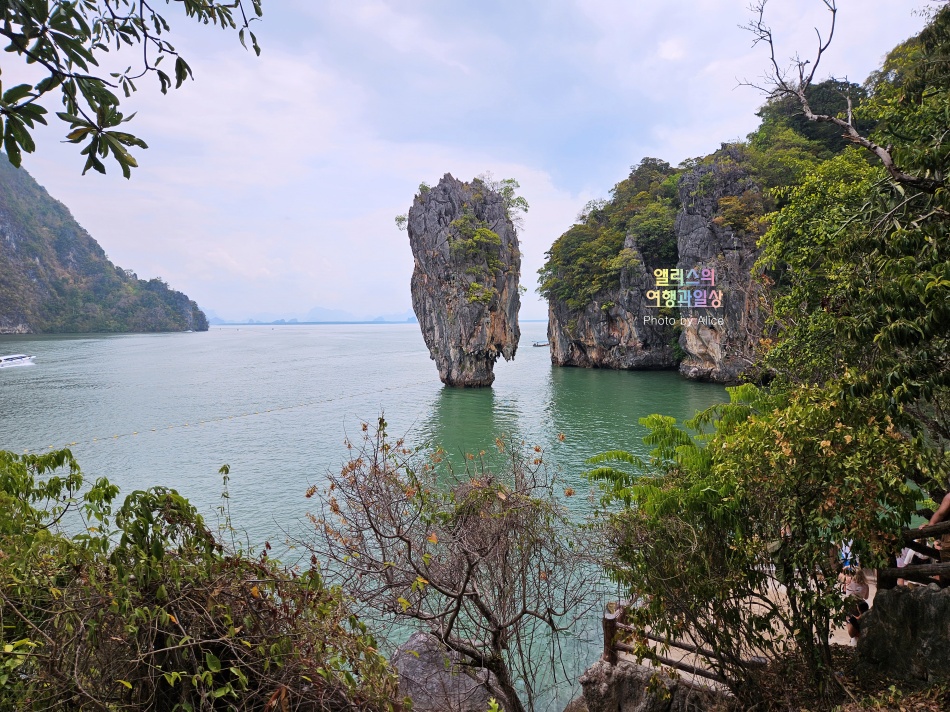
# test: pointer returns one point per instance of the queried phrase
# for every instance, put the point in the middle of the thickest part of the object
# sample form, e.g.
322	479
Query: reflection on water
600	410
594	410
465	420
276	405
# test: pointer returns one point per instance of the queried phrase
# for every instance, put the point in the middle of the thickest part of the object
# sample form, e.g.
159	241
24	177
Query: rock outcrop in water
616	331
631	325
719	343
465	281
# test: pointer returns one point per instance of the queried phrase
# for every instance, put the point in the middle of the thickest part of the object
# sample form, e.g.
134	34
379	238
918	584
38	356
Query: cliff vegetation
848	440
55	278
709	212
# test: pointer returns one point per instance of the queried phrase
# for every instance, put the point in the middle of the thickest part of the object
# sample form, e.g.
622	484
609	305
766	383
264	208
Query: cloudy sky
271	183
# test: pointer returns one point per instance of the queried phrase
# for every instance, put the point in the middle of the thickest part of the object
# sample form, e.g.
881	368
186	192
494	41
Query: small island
465	281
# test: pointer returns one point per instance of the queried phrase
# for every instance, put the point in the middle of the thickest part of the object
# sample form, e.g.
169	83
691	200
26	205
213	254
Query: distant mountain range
54	277
317	315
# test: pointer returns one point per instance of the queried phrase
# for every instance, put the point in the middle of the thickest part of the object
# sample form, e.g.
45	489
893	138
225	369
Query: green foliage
810	249
849	439
515	205
589	258
830	97
863	263
750	496
781	156
56	278
481	294
142	607
65	40
742	213
472	243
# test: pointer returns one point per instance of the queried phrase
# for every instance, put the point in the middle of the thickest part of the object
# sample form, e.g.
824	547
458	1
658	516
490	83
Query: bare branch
777	86
481	559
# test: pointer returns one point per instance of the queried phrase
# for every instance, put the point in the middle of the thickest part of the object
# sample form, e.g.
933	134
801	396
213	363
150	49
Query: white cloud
271	183
671	49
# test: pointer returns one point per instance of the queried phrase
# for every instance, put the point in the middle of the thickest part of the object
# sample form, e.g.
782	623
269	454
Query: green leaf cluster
142	607
66	39
749	499
862	262
589	258
472	243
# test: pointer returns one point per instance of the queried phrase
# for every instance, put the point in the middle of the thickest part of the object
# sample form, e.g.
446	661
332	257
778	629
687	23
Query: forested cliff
54	277
608	307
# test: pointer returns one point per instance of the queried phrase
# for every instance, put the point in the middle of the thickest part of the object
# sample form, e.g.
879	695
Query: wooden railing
919	573
613	626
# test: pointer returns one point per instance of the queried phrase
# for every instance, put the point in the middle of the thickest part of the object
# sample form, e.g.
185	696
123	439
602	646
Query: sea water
277	403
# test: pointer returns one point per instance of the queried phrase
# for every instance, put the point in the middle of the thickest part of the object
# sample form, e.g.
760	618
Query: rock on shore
431	677
628	687
907	634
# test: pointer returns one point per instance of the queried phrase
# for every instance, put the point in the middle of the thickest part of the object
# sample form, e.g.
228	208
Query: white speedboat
16	360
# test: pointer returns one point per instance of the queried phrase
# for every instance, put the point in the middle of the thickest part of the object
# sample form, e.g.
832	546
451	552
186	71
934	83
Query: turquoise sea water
276	404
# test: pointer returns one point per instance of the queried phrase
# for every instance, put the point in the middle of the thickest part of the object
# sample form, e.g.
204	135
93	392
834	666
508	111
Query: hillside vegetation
587	260
847	439
55	278
137	604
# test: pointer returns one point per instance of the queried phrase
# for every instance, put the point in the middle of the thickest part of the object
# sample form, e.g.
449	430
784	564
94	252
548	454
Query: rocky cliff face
465	280
907	635
54	277
719	342
434	680
628	687
635	326
618	331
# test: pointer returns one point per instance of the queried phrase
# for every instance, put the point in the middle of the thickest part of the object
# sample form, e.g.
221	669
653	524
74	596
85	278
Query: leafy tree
829	98
864	253
714	526
588	259
488	561
796	82
143	607
67	39
515	205
811	250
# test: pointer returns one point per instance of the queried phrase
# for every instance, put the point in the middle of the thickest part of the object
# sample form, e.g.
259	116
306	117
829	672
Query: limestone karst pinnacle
465	281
